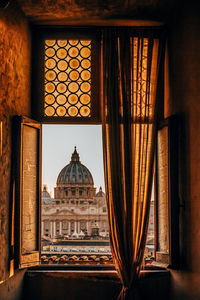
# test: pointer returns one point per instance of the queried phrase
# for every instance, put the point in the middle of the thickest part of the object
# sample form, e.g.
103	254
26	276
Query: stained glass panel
67	78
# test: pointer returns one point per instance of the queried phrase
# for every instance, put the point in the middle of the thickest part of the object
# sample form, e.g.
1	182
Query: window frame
170	258
32	258
39	34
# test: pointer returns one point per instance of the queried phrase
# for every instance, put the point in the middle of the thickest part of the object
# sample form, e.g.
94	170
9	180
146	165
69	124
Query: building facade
76	211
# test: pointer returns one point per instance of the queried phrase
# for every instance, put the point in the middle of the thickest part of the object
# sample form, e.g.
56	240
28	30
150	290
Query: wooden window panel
27	196
167	200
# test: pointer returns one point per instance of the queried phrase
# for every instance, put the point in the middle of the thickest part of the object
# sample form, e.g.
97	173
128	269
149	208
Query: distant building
76	211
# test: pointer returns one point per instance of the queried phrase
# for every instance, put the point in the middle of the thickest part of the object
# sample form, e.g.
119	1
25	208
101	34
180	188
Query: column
87	227
69	228
60	232
42	231
79	227
51	229
75	227
54	229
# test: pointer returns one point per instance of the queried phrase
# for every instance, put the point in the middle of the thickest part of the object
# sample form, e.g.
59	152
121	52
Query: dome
75	172
46	198
100	193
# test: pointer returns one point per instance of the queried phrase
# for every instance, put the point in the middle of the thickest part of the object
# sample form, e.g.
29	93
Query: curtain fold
130	70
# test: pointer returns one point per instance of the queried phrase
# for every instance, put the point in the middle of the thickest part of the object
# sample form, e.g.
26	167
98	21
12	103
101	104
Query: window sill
92	270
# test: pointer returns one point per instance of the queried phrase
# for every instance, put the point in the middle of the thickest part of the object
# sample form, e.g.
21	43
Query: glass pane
74	227
67	78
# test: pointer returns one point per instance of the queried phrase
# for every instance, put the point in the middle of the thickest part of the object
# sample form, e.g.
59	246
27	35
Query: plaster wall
14	99
184	74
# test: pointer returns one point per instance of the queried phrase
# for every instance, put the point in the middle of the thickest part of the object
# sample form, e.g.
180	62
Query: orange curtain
130	70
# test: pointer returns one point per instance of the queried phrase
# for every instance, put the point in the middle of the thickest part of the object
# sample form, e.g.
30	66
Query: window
87	227
67	78
66	89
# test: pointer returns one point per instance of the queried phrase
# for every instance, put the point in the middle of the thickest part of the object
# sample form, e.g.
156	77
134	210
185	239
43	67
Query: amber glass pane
49	99
85	75
62	43
49	111
62	76
67	78
85	99
50	63
50	43
61	53
61	88
61	111
61	99
62	65
73	99
85	111
50	52
74	75
74	63
72	111
73	52
85	63
85	52
50	75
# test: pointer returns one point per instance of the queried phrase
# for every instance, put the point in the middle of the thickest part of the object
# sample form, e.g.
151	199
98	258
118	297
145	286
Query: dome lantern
75	155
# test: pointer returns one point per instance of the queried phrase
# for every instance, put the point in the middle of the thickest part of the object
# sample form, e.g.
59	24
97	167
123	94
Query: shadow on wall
91	285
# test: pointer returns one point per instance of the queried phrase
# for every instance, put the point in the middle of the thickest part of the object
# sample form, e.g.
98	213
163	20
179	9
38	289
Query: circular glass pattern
85	111
85	52
85	43
50	63
73	87
61	43
85	99
62	65
85	87
50	43
49	111
50	52
73	99
50	75
72	111
85	64
73	52
61	88
61	99
85	75
49	99
61	111
62	76
74	63
61	53
49	87
74	75
67	78
73	42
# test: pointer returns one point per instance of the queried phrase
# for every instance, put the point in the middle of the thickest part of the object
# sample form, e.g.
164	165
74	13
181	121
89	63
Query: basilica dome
75	172
46	198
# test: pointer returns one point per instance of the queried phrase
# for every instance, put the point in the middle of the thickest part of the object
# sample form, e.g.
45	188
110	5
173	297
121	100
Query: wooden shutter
28	187
167	200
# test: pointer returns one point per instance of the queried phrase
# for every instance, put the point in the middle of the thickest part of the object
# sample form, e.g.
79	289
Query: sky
58	143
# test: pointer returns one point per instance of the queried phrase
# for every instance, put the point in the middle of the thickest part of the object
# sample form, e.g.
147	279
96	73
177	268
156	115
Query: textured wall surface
12	289
91	285
14	99
184	58
45	10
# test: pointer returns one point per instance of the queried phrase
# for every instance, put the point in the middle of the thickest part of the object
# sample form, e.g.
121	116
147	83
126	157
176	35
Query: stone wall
184	62
15	69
